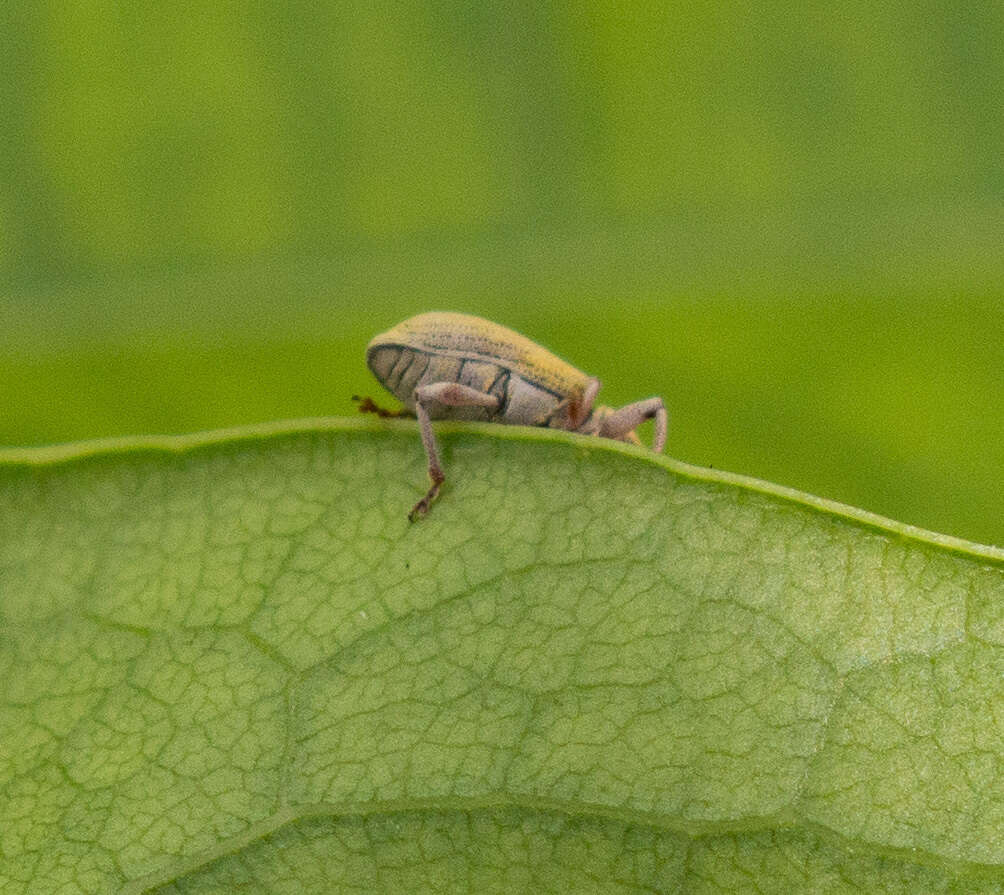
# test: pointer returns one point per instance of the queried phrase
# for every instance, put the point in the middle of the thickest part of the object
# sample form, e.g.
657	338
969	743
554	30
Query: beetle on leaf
456	366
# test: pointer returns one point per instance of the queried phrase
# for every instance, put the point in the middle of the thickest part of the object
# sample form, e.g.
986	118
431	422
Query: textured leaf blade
231	660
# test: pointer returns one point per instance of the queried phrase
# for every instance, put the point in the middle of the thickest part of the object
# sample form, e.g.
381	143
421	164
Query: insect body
460	367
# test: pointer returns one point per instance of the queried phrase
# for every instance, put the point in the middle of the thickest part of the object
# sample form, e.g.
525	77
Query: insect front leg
576	408
452	394
624	420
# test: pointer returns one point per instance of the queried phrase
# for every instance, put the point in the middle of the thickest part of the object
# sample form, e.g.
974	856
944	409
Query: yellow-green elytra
443	365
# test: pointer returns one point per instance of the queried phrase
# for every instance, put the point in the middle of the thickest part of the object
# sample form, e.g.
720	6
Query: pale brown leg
625	419
575	412
452	394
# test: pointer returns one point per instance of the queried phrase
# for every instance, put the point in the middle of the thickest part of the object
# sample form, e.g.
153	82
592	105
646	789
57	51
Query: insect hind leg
452	394
368	405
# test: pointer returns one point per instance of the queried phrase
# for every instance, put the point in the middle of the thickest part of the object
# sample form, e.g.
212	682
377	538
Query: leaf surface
230	661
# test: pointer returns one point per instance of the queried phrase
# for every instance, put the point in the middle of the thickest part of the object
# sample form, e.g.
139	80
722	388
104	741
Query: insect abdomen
398	369
401	370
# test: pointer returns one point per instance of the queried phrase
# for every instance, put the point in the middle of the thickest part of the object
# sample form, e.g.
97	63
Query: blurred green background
786	218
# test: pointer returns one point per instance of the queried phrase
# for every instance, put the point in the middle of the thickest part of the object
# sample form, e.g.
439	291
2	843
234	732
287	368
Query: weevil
460	367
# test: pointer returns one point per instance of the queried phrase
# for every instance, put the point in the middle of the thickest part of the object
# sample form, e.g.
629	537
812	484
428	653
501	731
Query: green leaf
231	664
